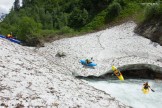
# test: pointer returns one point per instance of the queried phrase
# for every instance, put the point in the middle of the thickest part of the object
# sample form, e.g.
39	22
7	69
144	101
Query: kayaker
88	61
9	36
117	72
146	86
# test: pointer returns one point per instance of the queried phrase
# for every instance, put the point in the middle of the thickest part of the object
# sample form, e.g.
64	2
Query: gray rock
61	54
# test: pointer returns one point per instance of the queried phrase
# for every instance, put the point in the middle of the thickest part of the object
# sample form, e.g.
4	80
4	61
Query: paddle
92	59
152	89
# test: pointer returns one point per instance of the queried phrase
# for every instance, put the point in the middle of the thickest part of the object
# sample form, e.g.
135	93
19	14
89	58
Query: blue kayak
2	36
11	39
83	62
14	40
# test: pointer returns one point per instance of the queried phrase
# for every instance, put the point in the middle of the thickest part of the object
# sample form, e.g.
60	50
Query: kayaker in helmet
88	61
117	72
146	86
9	35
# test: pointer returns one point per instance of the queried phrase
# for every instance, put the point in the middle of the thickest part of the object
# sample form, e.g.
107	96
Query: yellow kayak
145	91
117	73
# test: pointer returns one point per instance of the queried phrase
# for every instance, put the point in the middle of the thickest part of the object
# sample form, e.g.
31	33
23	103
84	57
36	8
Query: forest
37	20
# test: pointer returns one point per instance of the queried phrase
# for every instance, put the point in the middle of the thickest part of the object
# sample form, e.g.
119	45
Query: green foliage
143	1
94	6
78	18
16	5
60	20
152	12
160	9
121	2
44	18
133	11
96	22
27	27
66	30
113	11
4	28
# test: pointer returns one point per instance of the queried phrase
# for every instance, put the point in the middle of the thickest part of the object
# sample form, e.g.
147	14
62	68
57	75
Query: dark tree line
37	16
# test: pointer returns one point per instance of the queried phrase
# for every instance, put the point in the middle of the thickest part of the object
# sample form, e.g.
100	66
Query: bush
27	27
121	2
65	30
78	18
160	9
113	11
33	40
96	22
152	12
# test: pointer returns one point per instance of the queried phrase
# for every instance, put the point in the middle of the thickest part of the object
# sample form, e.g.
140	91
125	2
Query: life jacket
88	61
9	36
146	86
117	72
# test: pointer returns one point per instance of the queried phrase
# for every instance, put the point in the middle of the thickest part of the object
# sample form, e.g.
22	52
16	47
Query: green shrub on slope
152	11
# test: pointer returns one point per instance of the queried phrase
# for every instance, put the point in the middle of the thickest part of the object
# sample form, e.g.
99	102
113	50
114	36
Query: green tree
24	2
152	12
48	21
121	2
27	27
78	18
16	5
113	11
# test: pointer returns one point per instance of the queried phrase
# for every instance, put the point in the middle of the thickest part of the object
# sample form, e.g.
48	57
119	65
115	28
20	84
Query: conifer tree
16	5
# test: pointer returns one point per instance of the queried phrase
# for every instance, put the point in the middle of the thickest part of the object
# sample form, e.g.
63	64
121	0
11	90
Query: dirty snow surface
29	80
36	77
114	46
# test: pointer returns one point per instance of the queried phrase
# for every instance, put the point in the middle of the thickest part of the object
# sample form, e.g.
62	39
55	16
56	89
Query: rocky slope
151	30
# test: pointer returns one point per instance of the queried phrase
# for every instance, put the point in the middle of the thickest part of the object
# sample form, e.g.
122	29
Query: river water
129	92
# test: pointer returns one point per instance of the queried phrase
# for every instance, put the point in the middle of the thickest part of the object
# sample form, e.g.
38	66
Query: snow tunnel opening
131	71
141	74
137	71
